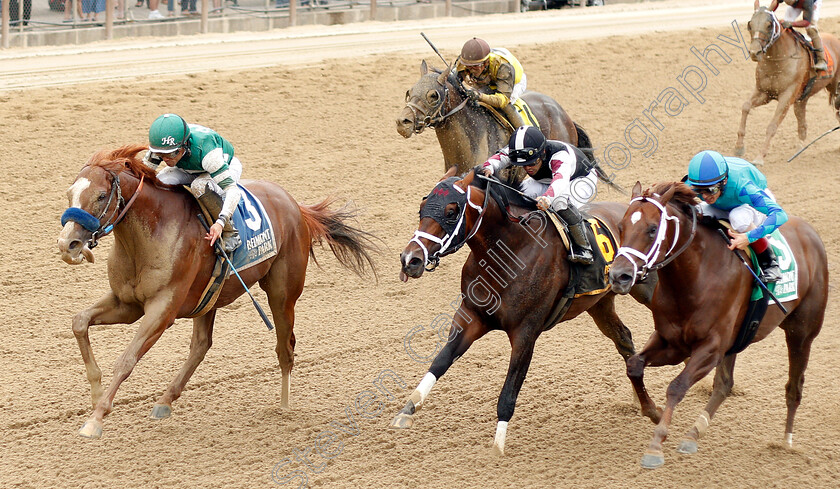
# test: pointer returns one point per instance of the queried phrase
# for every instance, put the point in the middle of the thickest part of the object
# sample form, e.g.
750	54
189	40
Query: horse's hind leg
721	388
603	313
785	101
462	334
757	99
107	310
202	339
801	327
801	124
283	290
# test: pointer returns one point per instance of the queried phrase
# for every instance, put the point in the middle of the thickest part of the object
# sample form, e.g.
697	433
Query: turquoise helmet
707	168
168	134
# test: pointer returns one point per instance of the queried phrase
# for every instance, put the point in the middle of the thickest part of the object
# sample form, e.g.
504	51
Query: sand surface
328	129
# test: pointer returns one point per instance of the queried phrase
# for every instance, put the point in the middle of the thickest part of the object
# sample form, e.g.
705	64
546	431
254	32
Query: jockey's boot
819	52
770	270
213	203
580	252
513	116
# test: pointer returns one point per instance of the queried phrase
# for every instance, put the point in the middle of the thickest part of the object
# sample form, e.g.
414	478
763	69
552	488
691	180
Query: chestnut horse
701	301
515	280
468	134
161	263
782	73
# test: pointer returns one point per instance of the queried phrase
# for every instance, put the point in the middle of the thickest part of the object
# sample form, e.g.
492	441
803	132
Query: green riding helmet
168	134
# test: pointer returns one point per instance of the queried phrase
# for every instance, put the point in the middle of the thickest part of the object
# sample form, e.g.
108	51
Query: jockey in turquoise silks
199	157
734	189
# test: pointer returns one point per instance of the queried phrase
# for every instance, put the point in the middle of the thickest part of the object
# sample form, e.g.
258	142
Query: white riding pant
742	218
792	13
172	175
578	192
519	89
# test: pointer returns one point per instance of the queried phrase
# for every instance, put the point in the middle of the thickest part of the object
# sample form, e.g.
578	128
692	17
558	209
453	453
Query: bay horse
514	280
701	301
469	134
161	263
782	73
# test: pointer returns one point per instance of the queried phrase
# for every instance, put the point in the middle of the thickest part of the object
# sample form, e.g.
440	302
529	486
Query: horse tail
585	145
352	246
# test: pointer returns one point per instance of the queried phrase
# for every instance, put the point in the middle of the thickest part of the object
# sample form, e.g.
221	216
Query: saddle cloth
785	289
528	117
806	43
256	231
590	279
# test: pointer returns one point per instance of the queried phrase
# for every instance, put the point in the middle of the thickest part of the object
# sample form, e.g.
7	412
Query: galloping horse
701	301
161	263
515	280
469	134
782	73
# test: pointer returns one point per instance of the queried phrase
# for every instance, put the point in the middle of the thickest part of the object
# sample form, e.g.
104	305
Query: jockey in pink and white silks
560	177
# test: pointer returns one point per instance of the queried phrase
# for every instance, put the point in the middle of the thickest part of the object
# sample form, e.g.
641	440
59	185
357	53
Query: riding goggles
713	190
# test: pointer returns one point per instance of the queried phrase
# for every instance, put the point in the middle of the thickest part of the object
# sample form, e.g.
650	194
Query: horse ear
449	173
466	181
756	5
637	189
424	68
668	194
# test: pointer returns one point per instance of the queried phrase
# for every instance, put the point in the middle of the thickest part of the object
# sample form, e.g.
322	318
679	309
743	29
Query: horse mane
506	195
683	197
123	158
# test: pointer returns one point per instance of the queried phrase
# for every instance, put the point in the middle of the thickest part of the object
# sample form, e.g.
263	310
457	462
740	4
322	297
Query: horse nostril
406	122
74	245
624	278
415	263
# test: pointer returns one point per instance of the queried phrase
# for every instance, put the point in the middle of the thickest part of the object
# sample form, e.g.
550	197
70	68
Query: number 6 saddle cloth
590	279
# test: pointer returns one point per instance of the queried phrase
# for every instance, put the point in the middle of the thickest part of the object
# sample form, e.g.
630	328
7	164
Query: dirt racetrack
329	130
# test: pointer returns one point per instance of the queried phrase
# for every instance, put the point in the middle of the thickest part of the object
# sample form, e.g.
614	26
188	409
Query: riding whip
221	250
826	133
436	50
760	283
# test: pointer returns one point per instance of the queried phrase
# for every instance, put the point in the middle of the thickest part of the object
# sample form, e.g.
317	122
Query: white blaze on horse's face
635	217
74	193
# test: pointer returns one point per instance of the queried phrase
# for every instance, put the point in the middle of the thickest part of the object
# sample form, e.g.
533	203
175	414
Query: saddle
809	48
521	107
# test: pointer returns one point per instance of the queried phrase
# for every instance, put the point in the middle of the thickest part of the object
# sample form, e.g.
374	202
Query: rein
434	119
446	247
773	36
649	259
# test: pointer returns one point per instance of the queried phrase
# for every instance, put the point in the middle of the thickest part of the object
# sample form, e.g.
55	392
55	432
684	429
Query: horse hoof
687	447
739	152
758	161
653	460
91	429
498	451
161	411
402	421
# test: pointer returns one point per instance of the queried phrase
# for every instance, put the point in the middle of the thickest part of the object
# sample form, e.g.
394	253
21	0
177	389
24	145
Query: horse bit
434	118
649	259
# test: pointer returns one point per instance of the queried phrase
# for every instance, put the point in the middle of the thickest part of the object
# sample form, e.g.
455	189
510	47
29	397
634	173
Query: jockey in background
197	156
551	167
494	70
810	10
734	189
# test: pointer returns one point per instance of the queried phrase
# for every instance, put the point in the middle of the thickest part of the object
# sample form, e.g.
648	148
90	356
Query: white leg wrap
425	386
702	423
501	434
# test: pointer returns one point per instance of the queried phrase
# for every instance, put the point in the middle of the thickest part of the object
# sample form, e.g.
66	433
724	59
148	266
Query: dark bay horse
514	280
782	73
161	263
701	301
469	134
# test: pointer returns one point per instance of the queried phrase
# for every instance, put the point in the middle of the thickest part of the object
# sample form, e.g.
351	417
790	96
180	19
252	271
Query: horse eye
451	212
652	231
433	96
101	196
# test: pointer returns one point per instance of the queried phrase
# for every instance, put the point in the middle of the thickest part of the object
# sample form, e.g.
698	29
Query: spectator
14	14
154	13
68	10
91	9
188	7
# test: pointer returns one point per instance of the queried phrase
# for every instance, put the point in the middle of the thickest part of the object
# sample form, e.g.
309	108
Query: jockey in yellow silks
498	80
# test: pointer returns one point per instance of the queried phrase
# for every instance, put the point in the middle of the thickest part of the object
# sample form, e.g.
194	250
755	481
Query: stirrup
231	241
582	256
771	274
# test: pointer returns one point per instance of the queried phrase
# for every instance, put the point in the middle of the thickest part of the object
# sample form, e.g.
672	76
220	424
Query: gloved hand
786	24
473	95
543	202
488	171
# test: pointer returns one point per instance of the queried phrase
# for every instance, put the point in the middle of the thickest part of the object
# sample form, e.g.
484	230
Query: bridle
649	259
766	40
431	261
423	120
95	225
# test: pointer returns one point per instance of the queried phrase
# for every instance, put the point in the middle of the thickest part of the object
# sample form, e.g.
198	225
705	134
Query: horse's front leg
655	352
785	101
722	386
758	98
466	328
522	342
202	339
801	124
107	310
159	315
701	362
